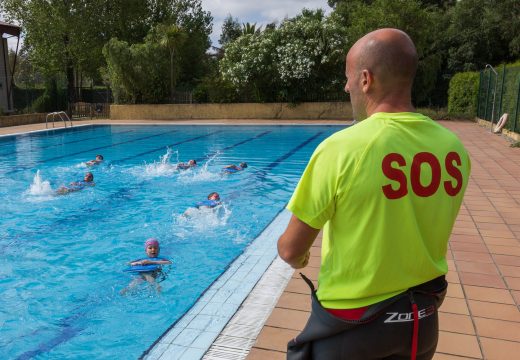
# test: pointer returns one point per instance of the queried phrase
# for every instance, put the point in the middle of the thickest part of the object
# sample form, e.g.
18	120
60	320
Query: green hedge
463	93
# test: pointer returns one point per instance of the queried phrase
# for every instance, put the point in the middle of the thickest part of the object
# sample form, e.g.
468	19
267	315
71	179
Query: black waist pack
322	324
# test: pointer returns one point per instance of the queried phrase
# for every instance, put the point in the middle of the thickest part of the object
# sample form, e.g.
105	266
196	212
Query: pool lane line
271	166
65	143
119	194
70	331
165	146
85	151
213	153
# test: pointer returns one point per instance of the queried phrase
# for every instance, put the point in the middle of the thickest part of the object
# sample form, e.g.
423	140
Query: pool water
63	256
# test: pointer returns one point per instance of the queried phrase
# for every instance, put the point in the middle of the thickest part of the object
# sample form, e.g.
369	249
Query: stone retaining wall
26	119
303	111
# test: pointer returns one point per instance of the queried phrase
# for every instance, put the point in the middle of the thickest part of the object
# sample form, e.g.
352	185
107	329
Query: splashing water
39	187
163	167
201	219
201	174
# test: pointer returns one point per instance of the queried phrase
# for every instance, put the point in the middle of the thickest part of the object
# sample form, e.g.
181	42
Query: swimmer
188	165
213	200
98	160
151	247
88	180
234	168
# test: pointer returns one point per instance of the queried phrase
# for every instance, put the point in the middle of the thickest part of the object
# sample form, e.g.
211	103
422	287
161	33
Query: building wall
303	111
5	76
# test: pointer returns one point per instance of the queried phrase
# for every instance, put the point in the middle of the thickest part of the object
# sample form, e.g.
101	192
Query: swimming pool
63	256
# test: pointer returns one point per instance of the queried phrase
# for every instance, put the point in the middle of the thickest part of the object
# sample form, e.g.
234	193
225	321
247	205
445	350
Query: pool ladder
62	116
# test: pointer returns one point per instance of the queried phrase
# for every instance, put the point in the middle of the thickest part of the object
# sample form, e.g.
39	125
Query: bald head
389	54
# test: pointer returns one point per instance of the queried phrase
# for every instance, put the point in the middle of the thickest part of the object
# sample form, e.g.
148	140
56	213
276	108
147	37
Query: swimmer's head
151	246
214	196
88	177
243	165
192	162
99	157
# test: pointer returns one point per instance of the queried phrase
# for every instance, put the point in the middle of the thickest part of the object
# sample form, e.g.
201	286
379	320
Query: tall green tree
483	32
231	30
171	37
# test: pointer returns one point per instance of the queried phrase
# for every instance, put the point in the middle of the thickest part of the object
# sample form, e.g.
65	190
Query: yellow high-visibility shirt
386	192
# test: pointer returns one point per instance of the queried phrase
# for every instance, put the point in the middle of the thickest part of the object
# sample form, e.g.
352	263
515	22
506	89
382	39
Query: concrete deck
480	318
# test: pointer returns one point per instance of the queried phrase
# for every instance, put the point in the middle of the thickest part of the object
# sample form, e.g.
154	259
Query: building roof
10	29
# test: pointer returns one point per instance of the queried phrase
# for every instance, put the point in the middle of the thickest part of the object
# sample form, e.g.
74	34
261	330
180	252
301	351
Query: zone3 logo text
393	167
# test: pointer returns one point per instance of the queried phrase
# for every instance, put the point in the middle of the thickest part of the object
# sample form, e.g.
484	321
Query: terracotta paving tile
472	256
513	271
486	213
500	241
287	319
298	286
260	354
488	219
315	251
492	226
507	260
310	272
464	231
451	265
505	250
501	296
452	277
495	349
494	311
458	344
454	306
462	246
516	295
465	238
497	329
494	281
456	323
441	356
455	290
497	233
477	267
314	261
295	301
271	338
513	282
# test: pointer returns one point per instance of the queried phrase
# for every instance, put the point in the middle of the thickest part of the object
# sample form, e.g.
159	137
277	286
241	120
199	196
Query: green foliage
231	30
462	94
136	72
480	32
214	89
53	99
303	57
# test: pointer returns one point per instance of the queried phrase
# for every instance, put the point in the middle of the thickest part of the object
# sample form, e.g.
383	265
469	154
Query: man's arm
295	243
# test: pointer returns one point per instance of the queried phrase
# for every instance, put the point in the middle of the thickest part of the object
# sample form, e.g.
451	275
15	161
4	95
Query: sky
261	12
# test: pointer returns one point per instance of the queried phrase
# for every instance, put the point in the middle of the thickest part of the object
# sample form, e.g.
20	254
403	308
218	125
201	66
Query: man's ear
366	79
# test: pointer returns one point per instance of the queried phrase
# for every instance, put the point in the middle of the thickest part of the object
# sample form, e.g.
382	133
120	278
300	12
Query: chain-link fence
499	93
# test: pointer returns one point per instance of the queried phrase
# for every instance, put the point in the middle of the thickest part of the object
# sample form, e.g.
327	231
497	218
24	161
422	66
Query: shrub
462	94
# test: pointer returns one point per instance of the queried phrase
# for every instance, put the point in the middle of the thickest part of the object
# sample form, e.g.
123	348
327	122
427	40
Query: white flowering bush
303	55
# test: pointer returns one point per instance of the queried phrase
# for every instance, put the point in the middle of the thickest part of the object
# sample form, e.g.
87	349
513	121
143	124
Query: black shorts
393	329
387	337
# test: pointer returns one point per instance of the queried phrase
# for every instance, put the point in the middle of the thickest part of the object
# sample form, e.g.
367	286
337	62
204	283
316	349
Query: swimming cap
151	241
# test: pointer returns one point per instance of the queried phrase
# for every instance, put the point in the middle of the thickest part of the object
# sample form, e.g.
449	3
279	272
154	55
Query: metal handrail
61	114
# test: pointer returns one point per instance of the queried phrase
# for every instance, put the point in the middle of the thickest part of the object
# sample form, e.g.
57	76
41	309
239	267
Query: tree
250	29
479	33
172	37
231	30
300	59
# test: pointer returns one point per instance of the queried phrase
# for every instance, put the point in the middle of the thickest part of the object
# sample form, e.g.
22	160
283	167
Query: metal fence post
487	97
517	105
479	93
502	91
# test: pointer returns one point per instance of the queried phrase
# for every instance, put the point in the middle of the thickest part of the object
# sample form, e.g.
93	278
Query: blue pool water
63	256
